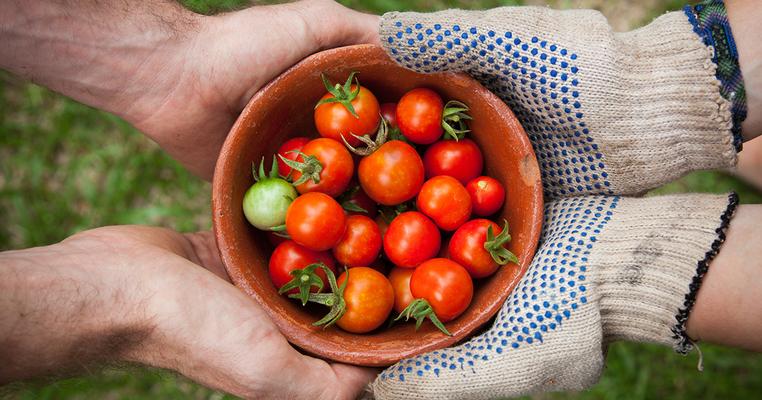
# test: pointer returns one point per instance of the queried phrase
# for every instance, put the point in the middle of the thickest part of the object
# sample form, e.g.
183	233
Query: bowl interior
284	108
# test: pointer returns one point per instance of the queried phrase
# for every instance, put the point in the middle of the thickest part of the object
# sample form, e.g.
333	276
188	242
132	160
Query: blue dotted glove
608	268
607	113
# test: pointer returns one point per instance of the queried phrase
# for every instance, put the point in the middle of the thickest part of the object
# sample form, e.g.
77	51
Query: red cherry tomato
467	247
289	150
315	221
411	239
369	297
333	120
487	195
400	280
445	285
459	159
289	256
360	244
337	167
389	113
392	174
445	201
419	116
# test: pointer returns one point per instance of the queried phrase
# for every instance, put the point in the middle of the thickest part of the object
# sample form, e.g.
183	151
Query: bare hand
204	85
156	297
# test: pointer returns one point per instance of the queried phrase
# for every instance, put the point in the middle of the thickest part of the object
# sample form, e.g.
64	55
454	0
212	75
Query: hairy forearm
102	53
727	308
56	316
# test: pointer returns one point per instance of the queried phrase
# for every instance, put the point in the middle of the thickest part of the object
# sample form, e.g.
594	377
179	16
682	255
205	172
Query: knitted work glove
608	268
608	113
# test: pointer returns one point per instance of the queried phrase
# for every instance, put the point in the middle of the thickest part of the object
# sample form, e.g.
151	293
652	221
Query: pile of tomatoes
414	181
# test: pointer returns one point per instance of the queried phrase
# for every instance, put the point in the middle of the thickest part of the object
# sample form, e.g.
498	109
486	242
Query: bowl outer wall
284	108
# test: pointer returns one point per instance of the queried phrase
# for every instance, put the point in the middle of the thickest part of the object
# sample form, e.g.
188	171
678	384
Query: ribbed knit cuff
651	260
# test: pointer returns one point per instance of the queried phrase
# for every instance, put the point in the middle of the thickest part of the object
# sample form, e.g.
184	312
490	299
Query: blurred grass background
65	167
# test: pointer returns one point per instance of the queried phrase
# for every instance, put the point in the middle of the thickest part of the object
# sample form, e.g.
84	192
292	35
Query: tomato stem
310	167
303	279
260	174
420	309
495	245
334	300
454	117
370	144
341	94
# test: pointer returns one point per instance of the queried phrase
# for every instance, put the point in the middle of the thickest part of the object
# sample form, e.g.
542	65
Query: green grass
65	167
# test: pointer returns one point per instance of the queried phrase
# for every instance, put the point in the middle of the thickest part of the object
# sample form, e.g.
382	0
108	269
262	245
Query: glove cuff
651	260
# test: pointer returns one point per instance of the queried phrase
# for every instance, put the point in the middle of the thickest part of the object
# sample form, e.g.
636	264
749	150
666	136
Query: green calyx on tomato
334	300
304	279
495	246
420	309
370	144
454	118
310	168
259	174
341	94
266	202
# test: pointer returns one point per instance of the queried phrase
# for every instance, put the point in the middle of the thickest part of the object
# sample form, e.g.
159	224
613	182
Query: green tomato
266	202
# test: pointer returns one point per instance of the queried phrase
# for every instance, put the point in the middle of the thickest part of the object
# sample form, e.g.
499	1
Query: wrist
202	325
61	309
159	66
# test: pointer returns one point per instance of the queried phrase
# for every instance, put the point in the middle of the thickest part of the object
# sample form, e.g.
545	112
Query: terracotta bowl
284	108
